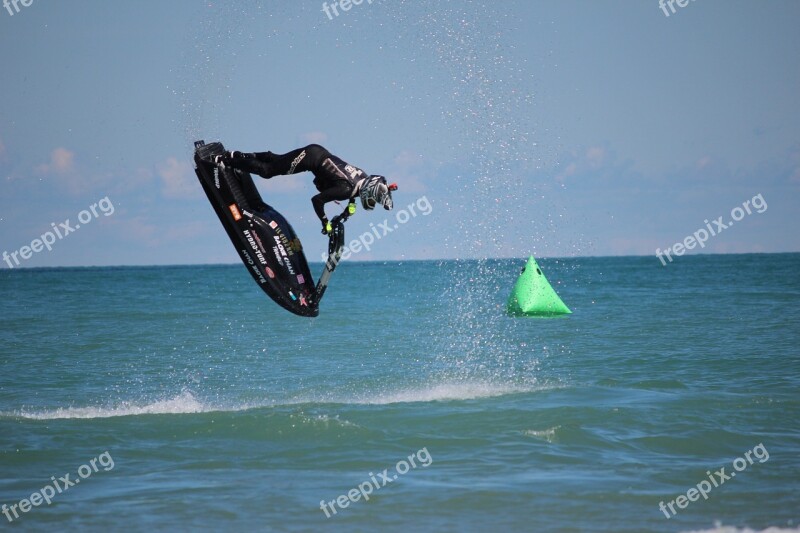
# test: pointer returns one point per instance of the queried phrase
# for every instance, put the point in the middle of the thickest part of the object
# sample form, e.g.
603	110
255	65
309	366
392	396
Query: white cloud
407	158
64	171
595	156
141	229
178	178
284	184
794	176
184	231
314	137
62	163
703	162
406	171
570	170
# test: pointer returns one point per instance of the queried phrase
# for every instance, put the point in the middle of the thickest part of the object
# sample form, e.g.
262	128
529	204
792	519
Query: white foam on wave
718	528
547	435
441	392
181	404
187	403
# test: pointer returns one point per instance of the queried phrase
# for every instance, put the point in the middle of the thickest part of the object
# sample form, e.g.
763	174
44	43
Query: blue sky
559	128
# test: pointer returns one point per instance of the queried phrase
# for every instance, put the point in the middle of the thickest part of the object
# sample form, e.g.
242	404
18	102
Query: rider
333	177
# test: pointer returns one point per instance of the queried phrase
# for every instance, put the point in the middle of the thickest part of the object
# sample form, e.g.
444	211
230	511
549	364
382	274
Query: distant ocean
183	399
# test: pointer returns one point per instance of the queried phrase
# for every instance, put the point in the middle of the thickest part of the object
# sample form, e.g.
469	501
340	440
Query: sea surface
183	399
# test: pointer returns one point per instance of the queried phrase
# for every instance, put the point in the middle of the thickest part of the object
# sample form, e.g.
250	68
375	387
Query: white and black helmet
374	190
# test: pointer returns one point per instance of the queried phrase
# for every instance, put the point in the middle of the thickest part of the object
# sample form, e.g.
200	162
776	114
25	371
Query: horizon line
369	261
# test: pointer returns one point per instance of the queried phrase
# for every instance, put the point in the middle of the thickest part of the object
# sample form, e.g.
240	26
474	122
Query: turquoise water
221	411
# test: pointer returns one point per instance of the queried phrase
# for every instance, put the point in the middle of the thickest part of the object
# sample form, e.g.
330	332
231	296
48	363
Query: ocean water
206	407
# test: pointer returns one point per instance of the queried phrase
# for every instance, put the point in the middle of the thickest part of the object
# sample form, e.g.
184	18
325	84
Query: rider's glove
326	226
351	208
236	154
223	159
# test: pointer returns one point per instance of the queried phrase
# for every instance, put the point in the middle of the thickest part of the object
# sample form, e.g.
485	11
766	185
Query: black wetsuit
333	177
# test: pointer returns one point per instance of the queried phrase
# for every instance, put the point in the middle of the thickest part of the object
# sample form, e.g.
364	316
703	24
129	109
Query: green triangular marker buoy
533	295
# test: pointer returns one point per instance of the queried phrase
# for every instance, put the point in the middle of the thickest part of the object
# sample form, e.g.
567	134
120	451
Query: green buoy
533	295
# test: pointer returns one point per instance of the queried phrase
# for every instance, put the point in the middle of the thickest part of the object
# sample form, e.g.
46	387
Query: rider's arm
340	191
